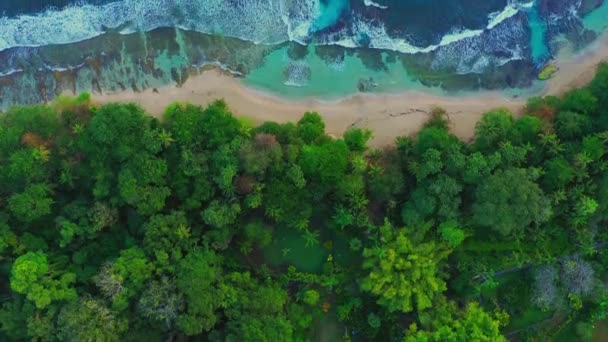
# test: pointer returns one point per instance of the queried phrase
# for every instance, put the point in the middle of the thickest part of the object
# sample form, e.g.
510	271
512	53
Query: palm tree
311	238
165	137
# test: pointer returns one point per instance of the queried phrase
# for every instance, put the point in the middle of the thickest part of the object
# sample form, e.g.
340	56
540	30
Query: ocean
294	48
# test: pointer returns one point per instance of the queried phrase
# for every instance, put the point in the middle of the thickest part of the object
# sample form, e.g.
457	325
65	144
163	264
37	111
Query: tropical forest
202	226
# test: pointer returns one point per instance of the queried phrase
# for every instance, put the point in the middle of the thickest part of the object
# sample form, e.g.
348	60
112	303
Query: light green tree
450	325
404	274
32	276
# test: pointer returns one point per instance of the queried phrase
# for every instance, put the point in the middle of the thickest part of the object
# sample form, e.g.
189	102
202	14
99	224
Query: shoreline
387	115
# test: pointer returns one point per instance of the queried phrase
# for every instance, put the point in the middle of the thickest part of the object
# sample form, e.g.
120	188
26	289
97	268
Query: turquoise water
328	80
331	11
598	19
538	29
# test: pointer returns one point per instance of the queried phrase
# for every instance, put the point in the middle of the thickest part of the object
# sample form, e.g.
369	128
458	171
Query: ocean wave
258	21
10	72
378	38
493	48
498	17
370	3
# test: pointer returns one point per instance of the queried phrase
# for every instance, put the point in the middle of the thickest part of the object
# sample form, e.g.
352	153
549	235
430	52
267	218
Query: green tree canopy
404	274
471	324
509	200
41	283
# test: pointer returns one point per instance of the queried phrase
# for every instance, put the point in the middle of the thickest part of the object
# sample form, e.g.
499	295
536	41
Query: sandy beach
387	115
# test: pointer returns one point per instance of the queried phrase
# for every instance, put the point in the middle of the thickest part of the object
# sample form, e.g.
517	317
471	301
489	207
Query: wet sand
387	115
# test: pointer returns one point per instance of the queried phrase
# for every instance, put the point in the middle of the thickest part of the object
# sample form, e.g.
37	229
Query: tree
472	324
168	238
599	89
577	276
255	310
509	201
259	328
437	197
259	154
199	280
255	233
118	132
451	234
211	127
326	163
571	125
558	173
356	139
32	204
125	278
286	203
147	197
311	127
311	297
161	301
403	273
436	138
546	294
25	167
493	129
580	101
311	238
527	129
89	320
32	276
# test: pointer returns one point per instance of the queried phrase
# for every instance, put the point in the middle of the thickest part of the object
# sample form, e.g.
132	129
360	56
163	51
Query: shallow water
597	20
538	31
312	76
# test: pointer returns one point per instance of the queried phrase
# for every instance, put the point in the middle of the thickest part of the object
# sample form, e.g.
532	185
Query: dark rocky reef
114	62
563	18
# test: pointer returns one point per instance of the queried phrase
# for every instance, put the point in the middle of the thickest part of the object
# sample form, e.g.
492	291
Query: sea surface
294	48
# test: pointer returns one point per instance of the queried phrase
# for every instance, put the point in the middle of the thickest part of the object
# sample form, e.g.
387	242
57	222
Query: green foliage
580	101
168	238
509	201
199	279
571	125
89	320
493	129
118	226
311	297
311	127
160	302
32	276
451	234
472	324
325	163
32	204
356	139
403	274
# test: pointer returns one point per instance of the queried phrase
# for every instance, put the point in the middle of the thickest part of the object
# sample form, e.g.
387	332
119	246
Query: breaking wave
258	21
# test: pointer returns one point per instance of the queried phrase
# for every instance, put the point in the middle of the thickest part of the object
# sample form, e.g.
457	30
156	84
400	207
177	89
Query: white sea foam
527	5
10	72
370	3
259	21
498	17
297	74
